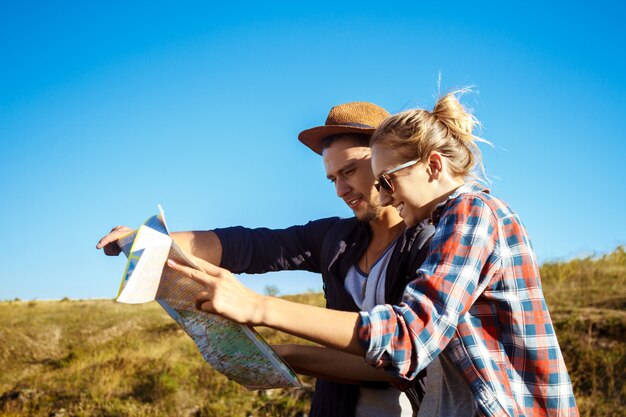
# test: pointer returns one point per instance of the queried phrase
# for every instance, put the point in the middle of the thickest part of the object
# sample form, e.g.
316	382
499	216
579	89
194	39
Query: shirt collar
466	188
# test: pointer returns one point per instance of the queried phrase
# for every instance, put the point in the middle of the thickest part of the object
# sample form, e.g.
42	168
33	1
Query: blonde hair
447	129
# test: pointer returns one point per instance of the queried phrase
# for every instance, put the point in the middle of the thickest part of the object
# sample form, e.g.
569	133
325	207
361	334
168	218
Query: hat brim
313	137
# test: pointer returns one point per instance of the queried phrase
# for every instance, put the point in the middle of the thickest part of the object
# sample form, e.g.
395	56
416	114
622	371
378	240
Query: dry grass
101	358
587	300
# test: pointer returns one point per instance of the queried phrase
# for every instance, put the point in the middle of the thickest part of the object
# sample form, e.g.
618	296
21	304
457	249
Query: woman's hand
223	294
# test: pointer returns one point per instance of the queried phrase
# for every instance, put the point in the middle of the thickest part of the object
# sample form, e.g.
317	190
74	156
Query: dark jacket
330	247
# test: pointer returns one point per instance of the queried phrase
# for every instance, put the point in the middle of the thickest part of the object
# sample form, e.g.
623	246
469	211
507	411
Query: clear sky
110	108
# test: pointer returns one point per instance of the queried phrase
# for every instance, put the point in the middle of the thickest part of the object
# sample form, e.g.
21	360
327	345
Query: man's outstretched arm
330	364
201	244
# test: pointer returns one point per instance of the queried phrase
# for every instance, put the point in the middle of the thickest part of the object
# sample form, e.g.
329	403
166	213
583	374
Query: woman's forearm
332	328
226	296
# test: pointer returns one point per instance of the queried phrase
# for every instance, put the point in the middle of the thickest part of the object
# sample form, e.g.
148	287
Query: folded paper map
235	350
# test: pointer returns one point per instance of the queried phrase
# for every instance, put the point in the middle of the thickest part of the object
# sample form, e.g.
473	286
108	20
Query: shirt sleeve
260	250
405	338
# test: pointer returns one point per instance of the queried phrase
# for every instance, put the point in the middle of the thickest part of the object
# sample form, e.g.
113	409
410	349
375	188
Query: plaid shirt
477	298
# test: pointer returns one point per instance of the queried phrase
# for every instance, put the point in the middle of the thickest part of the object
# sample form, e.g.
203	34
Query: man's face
349	168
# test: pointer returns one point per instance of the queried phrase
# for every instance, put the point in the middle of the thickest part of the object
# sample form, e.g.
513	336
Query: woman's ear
435	165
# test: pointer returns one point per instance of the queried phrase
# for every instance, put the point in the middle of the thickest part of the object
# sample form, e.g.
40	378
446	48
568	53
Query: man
364	261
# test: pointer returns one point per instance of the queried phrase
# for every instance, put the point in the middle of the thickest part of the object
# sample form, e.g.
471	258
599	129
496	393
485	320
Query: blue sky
107	110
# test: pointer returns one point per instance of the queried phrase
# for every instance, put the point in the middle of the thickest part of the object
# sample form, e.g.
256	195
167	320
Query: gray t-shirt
389	402
447	393
368	291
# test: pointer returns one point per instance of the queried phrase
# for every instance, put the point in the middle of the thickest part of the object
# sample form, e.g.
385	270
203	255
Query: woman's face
415	191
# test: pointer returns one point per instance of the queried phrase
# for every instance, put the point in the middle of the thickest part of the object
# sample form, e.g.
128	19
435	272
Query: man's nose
342	187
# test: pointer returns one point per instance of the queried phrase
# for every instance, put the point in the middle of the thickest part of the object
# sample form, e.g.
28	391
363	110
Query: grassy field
100	358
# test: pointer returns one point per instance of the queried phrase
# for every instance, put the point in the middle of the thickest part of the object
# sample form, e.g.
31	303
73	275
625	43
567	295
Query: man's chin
367	215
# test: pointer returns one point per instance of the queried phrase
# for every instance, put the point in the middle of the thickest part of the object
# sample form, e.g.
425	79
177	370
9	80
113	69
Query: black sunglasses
384	181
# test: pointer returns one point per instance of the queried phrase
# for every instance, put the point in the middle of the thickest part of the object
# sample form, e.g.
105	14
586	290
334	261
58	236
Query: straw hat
356	117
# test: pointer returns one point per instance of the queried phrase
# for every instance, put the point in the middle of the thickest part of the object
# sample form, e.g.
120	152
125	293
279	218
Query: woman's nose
384	197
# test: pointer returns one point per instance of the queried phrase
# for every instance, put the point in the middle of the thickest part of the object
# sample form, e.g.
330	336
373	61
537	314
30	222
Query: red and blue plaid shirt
477	298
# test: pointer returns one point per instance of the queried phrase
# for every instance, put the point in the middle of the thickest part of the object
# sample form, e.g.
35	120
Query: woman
475	314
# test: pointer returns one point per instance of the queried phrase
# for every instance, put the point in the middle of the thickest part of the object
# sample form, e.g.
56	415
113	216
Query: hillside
100	358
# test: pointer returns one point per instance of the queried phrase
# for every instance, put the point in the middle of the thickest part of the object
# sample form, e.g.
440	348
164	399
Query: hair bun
449	111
